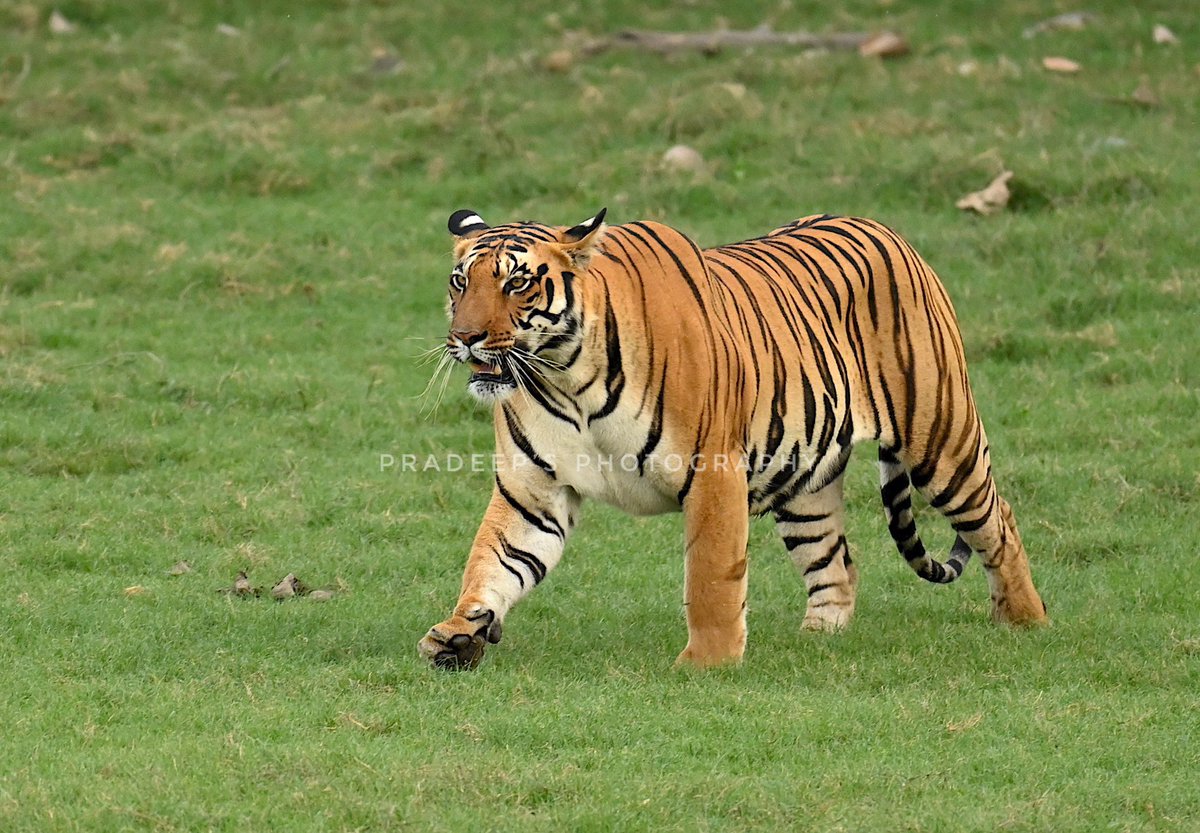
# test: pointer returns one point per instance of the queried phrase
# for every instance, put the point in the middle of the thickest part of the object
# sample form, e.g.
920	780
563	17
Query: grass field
222	249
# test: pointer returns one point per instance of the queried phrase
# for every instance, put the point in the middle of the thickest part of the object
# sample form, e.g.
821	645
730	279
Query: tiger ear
579	242
465	225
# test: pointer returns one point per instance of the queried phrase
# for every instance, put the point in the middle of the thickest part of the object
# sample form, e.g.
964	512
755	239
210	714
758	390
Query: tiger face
514	309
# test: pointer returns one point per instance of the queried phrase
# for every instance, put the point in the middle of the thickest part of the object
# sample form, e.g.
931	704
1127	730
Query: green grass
220	255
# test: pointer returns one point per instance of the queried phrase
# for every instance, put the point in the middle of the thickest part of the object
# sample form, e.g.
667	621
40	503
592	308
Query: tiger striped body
627	365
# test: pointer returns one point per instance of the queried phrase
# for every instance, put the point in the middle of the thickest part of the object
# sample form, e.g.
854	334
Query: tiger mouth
495	373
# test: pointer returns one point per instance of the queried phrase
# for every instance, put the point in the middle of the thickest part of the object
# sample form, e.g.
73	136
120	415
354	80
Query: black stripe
547	524
614	381
784	516
970	526
683	272
793	541
534	564
893	489
522	443
506	566
655	435
822	563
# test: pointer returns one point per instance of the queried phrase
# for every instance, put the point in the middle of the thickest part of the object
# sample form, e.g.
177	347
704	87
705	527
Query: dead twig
712	42
15	84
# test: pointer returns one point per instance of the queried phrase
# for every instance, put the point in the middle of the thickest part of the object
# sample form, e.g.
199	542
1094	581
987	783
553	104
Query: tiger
625	364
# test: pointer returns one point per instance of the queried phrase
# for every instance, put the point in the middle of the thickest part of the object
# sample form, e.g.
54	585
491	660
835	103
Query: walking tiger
627	365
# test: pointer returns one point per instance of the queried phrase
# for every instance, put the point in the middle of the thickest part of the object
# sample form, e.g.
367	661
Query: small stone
1164	36
59	25
179	568
321	595
683	158
228	31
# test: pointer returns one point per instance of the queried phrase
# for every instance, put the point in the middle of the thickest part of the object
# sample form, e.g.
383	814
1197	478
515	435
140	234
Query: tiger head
514	304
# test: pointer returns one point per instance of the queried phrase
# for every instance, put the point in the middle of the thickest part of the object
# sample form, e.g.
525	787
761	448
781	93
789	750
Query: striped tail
896	491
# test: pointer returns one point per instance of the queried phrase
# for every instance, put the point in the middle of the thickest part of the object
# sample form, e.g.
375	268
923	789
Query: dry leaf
135	590
170	252
1008	67
883	45
179	568
241	586
59	25
1071	21
738	91
962	726
1144	95
991	199
1164	36
285	589
1059	64
560	60
683	158
385	63
288	587
27	15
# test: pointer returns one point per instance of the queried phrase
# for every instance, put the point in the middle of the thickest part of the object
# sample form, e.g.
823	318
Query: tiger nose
469	337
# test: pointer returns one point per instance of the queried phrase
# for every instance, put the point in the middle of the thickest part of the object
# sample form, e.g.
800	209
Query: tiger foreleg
716	529
520	540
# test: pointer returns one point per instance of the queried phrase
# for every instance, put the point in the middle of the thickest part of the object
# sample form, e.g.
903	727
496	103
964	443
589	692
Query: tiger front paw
459	642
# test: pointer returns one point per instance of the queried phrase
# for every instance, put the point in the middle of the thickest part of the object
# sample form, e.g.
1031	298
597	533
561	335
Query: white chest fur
601	462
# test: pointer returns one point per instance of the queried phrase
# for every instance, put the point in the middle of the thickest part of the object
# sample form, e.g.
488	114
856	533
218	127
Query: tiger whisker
519	371
445	382
531	357
432	376
426	356
438	379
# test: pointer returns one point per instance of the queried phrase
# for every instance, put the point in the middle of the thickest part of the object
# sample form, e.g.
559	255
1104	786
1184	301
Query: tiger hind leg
964	492
813	530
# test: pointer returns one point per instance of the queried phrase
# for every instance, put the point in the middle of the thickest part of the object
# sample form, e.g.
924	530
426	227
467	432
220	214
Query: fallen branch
710	43
26	65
